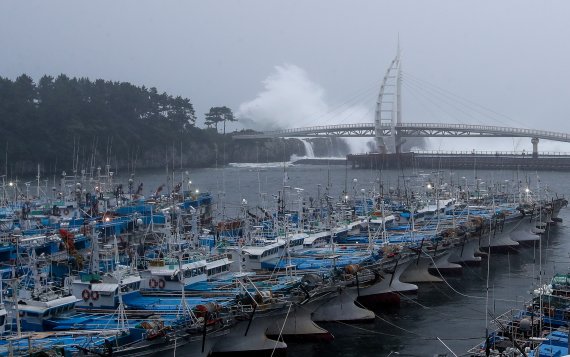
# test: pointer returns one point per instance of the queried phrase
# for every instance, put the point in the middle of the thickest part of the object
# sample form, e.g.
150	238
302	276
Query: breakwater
461	160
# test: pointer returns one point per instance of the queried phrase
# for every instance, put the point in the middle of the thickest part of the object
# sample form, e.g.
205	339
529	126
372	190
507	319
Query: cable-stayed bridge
403	130
390	131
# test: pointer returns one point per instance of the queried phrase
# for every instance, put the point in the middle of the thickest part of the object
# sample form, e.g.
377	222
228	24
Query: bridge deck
409	130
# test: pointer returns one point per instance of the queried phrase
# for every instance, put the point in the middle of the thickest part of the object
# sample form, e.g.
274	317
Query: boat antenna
488	273
116	250
122	319
184	309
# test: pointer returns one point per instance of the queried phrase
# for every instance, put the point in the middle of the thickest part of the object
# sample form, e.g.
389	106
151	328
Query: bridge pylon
534	142
389	109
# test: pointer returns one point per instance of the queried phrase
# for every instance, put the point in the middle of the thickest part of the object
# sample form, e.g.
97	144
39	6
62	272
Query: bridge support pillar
534	142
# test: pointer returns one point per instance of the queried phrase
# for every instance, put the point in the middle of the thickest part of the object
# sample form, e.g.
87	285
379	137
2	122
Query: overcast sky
292	63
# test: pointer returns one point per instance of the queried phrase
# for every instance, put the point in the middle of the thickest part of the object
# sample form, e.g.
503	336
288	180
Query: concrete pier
462	160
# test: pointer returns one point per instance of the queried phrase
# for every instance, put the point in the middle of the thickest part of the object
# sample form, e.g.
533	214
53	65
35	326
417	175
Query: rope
446	346
454	317
426	338
366	330
460	293
281	332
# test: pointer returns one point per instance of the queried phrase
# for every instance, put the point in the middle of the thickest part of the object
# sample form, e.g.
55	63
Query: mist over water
290	99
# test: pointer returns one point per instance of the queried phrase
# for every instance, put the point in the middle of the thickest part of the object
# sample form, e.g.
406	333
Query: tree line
65	123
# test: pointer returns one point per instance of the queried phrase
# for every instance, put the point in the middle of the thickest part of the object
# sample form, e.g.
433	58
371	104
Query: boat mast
15	287
488	273
94	249
38	179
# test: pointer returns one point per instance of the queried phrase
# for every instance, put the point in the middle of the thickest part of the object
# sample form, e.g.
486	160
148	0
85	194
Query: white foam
261	165
309	152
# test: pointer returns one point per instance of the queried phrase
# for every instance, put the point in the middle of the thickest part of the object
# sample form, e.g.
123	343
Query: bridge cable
447	98
452	101
449	101
355	98
468	116
422	100
463	99
433	102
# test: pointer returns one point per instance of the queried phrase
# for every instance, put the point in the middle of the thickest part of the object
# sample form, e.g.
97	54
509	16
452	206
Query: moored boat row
161	273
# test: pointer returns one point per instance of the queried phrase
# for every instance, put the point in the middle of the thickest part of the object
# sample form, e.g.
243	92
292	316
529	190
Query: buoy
152	283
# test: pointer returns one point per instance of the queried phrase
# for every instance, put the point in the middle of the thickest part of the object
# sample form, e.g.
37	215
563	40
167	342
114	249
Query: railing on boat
507	326
216	257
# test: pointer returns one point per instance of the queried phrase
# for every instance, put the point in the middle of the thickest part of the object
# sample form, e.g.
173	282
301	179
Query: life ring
85	294
152	283
94	295
66	211
161	284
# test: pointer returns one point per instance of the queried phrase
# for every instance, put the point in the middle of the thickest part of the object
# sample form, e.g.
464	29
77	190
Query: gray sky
283	62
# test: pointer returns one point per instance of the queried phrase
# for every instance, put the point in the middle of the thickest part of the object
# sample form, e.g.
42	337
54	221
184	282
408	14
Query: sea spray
290	99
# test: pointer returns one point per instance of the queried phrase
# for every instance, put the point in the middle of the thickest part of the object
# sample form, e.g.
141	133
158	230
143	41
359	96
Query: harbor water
444	316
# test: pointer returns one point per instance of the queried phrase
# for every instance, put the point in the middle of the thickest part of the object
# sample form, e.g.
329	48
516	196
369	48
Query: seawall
461	160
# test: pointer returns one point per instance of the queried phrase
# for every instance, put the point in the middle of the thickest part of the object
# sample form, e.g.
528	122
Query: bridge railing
488	153
501	129
313	129
442	126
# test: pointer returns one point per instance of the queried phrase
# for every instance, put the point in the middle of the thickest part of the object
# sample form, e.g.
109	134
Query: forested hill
61	121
